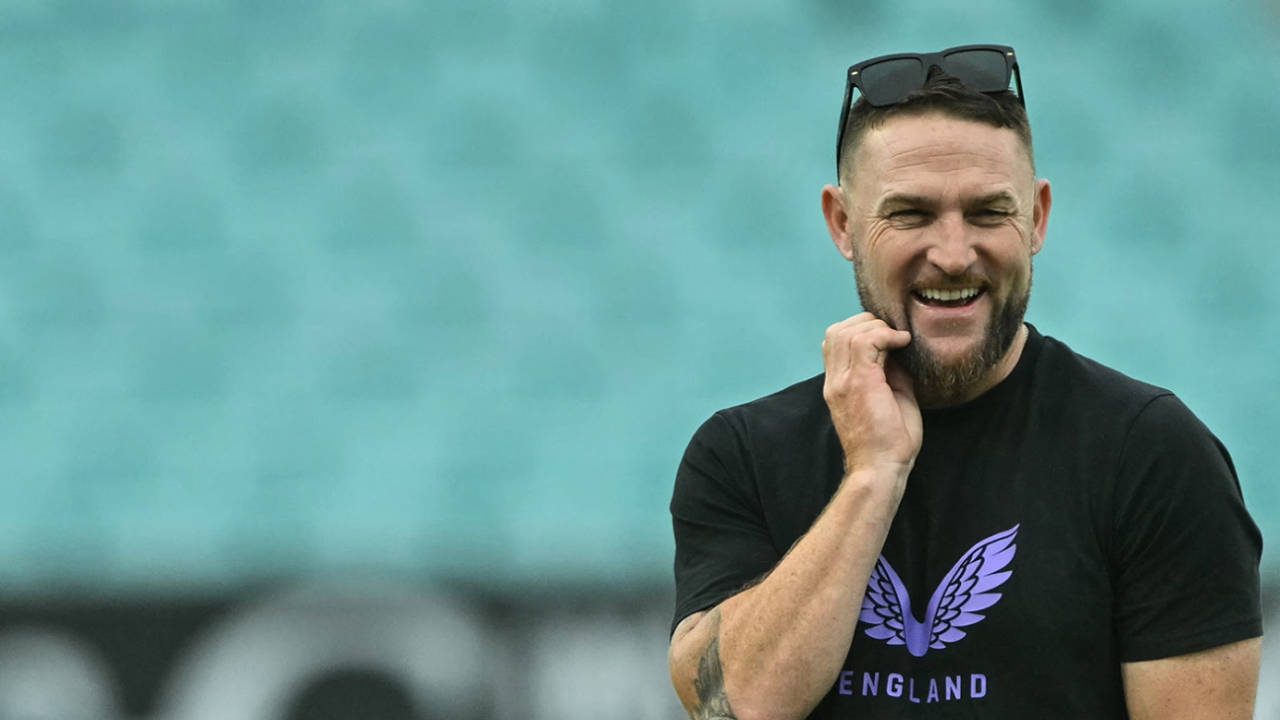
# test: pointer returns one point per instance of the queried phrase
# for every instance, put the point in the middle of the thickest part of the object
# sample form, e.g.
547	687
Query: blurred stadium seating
435	293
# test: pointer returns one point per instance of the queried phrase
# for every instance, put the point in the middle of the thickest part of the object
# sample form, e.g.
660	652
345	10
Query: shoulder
792	405
795	409
1150	434
1079	392
1107	419
787	420
1085	379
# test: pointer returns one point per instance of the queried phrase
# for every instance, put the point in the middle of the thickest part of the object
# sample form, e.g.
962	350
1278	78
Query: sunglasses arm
1017	76
844	117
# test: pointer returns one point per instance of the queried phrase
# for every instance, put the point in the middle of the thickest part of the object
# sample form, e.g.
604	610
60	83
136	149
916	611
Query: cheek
875	278
1017	271
1011	248
878	276
887	255
896	269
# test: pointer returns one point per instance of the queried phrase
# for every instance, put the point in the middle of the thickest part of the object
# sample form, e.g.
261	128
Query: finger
861	318
867	322
894	339
844	341
835	343
849	324
863	338
835	347
873	345
848	329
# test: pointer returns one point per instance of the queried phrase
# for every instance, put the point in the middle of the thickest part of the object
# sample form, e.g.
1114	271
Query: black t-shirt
1066	521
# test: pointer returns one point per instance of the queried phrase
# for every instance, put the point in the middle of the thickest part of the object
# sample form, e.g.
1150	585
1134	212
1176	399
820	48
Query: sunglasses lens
982	70
888	82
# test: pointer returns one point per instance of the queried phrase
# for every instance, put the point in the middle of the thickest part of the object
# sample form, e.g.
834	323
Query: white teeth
948	295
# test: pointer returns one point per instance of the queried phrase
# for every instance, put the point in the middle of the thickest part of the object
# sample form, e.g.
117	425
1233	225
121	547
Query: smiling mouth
948	297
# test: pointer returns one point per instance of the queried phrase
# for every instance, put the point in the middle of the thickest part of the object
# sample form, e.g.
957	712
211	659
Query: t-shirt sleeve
1185	553
722	542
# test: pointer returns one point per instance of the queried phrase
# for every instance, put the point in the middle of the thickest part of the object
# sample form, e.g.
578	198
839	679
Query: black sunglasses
889	79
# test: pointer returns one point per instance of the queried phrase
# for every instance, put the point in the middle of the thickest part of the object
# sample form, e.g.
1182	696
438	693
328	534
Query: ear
837	216
1040	215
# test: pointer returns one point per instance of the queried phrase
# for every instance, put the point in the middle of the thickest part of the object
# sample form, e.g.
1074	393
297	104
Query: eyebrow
898	200
994	198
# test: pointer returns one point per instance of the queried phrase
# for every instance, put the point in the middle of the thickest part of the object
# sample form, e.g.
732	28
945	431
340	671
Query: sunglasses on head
889	79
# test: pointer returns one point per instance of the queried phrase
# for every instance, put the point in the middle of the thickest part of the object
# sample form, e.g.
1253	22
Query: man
961	517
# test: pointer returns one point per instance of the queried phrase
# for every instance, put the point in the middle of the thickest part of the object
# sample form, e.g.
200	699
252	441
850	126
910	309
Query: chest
993	589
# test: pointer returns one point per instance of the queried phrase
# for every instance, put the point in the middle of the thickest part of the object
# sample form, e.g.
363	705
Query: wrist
882	473
884	483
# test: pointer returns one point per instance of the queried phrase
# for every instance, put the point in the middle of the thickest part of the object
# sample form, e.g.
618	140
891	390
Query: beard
939	383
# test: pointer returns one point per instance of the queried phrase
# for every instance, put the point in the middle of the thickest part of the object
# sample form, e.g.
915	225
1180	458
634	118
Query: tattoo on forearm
713	703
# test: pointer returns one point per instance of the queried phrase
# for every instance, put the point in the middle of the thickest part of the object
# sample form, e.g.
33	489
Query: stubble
938	383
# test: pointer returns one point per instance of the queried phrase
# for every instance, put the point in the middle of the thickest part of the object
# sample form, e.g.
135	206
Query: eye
990	216
907	215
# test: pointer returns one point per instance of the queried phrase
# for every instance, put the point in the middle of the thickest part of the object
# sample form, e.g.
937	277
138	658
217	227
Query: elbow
758	706
705	693
757	712
744	690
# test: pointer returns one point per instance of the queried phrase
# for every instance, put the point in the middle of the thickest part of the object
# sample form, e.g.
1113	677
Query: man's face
941	221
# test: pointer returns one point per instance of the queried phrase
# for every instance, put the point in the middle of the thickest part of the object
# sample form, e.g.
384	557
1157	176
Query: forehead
922	152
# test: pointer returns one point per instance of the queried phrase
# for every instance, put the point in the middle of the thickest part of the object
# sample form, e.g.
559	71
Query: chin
953	351
945	370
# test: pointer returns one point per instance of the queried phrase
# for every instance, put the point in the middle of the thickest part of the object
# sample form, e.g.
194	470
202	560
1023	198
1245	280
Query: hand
871	399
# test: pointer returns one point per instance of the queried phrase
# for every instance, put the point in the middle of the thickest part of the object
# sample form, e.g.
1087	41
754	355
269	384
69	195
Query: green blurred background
441	290
423	300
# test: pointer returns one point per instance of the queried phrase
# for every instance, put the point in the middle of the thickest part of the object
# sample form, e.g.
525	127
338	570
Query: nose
950	249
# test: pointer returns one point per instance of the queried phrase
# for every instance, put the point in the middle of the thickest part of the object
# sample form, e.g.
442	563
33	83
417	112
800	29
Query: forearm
775	649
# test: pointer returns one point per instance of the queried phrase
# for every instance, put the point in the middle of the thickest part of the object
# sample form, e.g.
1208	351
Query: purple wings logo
964	592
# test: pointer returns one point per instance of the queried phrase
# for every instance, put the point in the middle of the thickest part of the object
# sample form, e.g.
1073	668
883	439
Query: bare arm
776	648
772	651
1219	683
705	697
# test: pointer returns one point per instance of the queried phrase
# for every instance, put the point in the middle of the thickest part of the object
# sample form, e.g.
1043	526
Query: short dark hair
945	94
